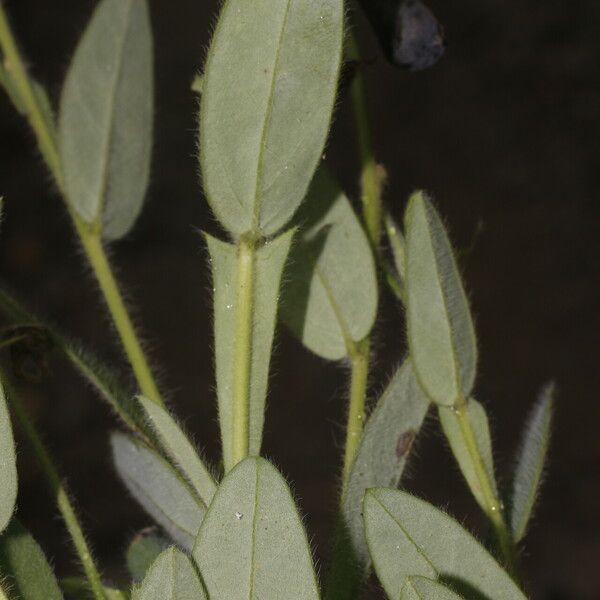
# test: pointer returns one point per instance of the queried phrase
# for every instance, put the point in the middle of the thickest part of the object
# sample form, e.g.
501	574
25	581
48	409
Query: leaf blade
265	113
331	297
106	118
441	334
8	465
422	588
455	437
387	440
250	537
269	262
408	536
171	576
26	567
180	449
158	489
530	463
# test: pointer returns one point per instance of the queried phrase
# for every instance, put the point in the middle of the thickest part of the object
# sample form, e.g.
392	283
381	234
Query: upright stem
242	354
370	178
110	290
359	360
62	499
90	240
493	507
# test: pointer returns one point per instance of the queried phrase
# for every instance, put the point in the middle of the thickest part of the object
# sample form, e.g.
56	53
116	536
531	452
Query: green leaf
106	118
454	435
330	296
143	551
269	262
530	462
441	335
180	449
422	588
386	443
408	536
28	574
252	544
172	577
102	378
158	488
268	94
8	465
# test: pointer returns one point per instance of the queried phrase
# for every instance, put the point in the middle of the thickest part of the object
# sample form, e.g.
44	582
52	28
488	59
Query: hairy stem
359	360
62	498
493	509
110	290
242	356
370	178
90	240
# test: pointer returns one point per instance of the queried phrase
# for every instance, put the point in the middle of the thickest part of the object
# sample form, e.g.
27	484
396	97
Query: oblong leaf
268	268
172	577
455	437
408	536
441	335
158	488
180	449
105	125
143	551
268	93
422	588
27	573
8	465
330	297
385	446
252	544
530	462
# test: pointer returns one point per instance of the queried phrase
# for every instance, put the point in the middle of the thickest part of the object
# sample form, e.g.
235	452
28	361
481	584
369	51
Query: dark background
505	132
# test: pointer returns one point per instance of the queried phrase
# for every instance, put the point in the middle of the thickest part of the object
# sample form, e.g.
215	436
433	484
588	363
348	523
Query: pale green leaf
171	577
159	489
385	446
106	118
530	462
143	551
330	296
269	88
455	437
269	262
8	465
180	449
408	536
252	545
422	588
7	82
441	335
380	460
22	562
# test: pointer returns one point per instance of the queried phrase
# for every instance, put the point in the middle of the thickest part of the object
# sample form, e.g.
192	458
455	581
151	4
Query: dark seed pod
408	32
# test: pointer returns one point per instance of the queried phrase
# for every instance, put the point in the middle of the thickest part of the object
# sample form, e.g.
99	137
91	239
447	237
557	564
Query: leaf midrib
267	120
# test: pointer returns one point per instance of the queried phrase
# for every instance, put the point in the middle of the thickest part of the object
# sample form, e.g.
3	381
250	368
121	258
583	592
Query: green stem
90	239
15	67
493	508
62	499
370	177
242	353
110	290
359	361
